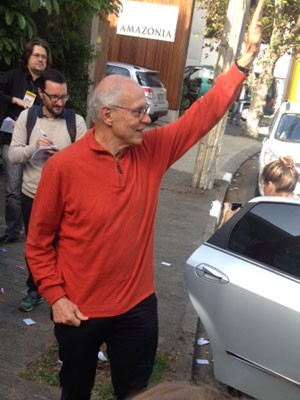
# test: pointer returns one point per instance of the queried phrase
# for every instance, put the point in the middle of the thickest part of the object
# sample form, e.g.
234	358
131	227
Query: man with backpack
40	132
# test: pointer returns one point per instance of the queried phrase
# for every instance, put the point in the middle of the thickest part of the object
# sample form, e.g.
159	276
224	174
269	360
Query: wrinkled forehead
124	89
132	93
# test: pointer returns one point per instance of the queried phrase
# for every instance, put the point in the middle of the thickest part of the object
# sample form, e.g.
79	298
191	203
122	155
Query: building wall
166	57
293	91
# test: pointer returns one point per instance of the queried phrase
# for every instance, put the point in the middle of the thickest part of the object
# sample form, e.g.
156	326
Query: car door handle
208	272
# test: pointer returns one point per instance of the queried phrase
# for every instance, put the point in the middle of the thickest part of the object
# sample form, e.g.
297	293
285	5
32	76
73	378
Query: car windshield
149	79
288	128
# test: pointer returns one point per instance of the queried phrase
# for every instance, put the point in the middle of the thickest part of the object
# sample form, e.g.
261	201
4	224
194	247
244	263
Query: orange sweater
103	211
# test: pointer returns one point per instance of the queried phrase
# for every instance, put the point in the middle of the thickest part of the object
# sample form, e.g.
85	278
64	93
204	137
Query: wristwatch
242	69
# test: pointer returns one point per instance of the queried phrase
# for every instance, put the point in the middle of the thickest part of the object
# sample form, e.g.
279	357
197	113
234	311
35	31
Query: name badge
29	98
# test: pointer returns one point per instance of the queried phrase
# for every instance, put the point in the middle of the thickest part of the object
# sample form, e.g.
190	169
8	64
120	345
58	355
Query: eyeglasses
42	56
54	98
136	112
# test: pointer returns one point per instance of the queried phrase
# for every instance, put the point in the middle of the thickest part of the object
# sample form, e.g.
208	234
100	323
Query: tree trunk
210	146
259	91
267	60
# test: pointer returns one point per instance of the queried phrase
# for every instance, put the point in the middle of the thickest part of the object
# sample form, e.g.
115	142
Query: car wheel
244	113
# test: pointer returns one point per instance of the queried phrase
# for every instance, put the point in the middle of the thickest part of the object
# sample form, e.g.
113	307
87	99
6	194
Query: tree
283	24
282	35
18	26
68	34
230	43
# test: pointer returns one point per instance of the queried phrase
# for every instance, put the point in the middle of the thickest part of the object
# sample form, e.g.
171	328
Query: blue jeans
131	341
13	182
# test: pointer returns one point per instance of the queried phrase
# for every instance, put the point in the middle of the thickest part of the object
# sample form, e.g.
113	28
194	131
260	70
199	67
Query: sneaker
5	239
30	301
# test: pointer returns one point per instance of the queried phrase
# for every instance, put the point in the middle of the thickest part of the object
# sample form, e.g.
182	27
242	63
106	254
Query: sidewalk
183	222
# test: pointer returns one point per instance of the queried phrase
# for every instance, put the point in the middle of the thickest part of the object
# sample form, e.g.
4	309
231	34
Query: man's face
54	97
37	62
129	118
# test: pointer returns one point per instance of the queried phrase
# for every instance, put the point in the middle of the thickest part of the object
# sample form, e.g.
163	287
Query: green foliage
215	17
71	55
279	15
18	26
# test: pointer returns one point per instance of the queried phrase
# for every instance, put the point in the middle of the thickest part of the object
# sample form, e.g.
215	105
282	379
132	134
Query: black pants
27	203
131	341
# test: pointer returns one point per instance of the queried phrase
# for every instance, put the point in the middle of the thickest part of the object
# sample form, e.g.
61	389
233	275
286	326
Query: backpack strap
70	115
31	120
71	123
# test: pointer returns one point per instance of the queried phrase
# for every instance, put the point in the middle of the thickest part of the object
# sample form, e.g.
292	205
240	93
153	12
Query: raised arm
253	37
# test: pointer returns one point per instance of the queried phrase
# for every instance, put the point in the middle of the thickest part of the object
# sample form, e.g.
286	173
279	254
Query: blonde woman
279	177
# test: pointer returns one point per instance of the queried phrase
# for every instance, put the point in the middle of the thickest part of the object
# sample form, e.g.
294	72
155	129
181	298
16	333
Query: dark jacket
15	83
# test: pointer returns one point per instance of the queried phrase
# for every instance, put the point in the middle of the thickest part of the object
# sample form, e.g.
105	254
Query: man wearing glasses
98	277
18	91
49	135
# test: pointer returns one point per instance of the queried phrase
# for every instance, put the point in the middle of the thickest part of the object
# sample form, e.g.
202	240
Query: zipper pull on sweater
119	169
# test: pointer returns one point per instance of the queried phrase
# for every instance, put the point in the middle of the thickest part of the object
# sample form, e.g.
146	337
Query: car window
149	79
114	70
288	128
270	233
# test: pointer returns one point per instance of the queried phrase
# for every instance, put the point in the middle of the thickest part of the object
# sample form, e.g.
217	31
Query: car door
244	284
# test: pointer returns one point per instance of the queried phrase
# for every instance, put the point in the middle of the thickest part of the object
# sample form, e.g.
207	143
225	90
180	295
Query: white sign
148	20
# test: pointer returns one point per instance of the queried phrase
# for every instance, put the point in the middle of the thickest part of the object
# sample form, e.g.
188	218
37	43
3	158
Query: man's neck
107	141
48	114
34	74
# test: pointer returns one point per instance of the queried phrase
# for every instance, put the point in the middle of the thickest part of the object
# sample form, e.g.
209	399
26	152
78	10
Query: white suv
155	92
283	137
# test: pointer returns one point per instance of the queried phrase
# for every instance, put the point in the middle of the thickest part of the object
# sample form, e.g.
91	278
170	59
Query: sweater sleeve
19	151
43	228
173	140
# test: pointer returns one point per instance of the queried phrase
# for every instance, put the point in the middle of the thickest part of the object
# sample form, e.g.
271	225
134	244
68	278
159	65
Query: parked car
155	92
283	137
244	284
197	80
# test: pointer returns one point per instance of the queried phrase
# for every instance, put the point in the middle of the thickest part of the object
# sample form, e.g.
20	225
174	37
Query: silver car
244	283
155	92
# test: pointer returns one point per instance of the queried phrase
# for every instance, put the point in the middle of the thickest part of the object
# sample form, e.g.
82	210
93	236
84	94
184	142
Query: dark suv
155	92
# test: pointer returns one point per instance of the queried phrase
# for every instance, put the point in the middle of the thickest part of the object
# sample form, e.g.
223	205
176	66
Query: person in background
279	178
99	197
181	391
237	108
18	91
50	129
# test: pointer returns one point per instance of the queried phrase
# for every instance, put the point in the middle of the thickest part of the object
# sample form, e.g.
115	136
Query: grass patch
45	370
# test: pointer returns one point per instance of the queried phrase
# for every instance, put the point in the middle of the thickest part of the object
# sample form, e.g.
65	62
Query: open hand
253	37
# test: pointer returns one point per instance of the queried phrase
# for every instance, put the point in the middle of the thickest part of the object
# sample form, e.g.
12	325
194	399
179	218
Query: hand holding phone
235	206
